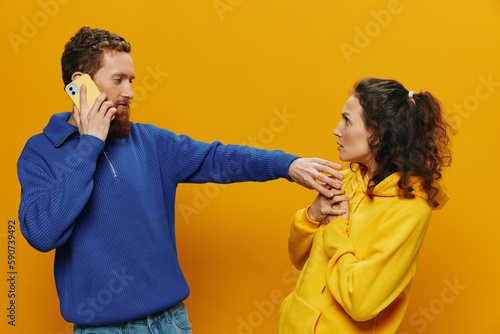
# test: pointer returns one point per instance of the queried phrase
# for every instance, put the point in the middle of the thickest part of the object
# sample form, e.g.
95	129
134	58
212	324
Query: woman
358	250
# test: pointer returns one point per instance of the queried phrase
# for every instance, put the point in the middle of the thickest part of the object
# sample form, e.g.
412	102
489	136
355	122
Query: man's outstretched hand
305	171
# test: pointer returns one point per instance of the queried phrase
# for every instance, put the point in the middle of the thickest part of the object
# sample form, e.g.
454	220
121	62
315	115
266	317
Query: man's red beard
120	125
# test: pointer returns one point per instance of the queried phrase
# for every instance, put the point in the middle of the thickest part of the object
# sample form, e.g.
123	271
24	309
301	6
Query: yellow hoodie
356	273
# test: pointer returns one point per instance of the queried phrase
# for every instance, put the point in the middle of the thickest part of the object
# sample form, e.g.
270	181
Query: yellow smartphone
73	90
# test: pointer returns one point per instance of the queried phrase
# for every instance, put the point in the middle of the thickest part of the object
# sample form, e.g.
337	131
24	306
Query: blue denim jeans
172	321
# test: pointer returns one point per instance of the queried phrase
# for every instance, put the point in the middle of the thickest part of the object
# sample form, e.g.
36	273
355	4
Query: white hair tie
410	94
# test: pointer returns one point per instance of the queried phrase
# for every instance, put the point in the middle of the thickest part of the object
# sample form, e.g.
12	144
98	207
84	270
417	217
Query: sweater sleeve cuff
90	147
289	159
306	221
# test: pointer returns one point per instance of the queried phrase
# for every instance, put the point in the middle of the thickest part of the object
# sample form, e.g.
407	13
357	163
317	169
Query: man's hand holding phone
94	121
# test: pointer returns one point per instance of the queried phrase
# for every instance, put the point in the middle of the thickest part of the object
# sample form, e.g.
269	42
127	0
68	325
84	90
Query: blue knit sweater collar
58	129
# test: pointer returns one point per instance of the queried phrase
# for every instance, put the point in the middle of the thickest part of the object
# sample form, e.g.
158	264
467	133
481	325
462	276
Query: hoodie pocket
297	316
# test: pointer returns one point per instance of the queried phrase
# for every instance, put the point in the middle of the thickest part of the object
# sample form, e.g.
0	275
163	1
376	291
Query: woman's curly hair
408	135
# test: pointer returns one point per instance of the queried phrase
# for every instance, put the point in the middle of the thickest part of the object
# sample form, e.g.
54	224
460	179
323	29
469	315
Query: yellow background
223	70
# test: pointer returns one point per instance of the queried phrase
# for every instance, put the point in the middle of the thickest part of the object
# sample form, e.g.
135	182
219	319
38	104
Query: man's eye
118	80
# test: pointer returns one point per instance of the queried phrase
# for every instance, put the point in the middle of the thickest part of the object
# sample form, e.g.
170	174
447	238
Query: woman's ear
373	140
76	75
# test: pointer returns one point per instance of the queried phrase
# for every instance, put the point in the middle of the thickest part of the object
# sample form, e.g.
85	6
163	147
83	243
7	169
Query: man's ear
76	75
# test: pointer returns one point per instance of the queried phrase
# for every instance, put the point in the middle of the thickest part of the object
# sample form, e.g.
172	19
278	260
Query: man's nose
128	93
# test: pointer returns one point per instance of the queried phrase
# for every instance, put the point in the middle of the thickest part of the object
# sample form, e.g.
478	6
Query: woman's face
353	136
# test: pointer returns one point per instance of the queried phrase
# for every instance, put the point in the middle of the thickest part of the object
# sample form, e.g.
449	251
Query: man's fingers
110	113
327	163
99	102
76	115
83	98
84	107
105	107
321	189
328	180
76	112
330	171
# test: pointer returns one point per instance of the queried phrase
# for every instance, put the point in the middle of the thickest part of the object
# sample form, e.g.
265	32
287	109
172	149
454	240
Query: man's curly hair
85	50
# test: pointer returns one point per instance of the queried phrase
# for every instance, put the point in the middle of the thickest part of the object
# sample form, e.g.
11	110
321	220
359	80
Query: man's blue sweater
108	210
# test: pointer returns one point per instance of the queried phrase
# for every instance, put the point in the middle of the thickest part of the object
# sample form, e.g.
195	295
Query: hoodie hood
389	187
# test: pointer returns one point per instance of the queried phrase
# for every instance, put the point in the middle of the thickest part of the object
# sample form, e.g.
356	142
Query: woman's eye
346	120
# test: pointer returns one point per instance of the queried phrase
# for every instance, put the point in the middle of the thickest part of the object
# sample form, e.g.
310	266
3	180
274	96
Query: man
101	191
